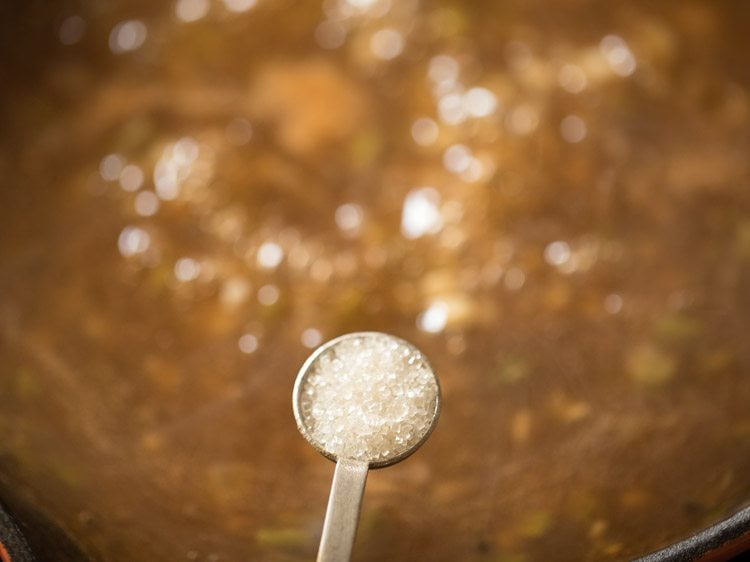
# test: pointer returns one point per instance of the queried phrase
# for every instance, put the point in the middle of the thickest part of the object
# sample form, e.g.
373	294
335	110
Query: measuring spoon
364	400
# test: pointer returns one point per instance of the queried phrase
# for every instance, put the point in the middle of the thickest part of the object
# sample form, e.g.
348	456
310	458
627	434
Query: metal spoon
365	400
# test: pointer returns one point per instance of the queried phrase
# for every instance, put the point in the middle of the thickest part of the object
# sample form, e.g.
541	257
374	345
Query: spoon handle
342	515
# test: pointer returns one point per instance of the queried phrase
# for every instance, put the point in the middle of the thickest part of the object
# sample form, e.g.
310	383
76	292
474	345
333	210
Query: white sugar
370	397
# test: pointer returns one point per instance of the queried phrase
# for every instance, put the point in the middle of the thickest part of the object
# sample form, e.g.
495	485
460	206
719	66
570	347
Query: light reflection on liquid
434	318
457	158
349	218
573	129
127	36
330	34
239	6
131	178
480	102
239	131
191	10
186	269
248	343
268	295
572	78
387	43
133	240
311	338
618	55
522	120
111	166
613	303
514	279
421	213
146	204
557	253
425	131
270	255
71	30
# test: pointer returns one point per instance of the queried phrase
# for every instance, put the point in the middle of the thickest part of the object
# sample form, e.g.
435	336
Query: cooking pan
550	201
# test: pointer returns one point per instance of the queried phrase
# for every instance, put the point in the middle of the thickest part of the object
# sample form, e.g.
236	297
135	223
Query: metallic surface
342	515
718	543
13	545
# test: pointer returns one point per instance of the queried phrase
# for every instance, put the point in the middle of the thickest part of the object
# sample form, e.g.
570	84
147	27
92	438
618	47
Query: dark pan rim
721	541
13	546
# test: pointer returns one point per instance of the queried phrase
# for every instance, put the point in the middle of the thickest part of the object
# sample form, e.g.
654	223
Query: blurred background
550	199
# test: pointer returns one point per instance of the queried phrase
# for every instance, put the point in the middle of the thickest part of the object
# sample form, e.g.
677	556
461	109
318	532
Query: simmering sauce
550	199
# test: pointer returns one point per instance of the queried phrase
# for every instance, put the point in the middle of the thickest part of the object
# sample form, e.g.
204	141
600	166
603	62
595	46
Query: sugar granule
370	398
